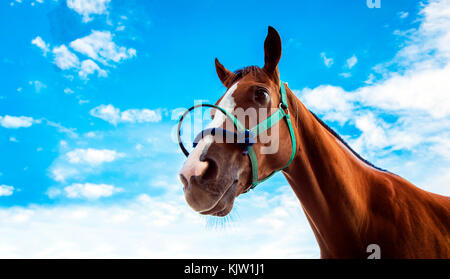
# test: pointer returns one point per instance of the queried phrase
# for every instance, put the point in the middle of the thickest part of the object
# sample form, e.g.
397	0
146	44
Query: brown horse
348	202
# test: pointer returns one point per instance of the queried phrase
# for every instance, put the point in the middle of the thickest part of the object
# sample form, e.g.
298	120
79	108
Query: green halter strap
282	112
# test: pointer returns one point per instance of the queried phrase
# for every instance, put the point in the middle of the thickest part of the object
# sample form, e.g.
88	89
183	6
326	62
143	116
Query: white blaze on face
193	163
228	104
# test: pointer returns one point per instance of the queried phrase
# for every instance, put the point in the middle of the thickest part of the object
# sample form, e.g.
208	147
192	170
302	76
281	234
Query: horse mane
238	74
336	135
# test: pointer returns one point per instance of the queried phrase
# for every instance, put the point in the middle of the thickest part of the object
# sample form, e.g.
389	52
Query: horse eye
261	96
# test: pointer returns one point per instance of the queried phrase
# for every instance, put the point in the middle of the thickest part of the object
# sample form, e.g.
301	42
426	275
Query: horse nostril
184	180
211	172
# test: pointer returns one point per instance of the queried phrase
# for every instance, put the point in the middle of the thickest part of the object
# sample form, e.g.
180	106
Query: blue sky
87	95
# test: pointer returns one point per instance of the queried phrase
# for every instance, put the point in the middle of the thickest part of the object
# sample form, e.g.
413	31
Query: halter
246	138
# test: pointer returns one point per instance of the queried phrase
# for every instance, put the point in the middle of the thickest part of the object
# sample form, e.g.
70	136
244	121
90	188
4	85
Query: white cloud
86	8
13	139
136	164
417	90
68	91
81	102
62	173
373	135
429	44
6	190
100	47
327	61
439	183
149	227
89	67
345	75
418	101
403	14
351	62
63	143
90	190
107	112
14	122
90	135
114	116
41	44
77	164
71	132
329	100
370	79
131	52
93	156
38	85
140	115
64	58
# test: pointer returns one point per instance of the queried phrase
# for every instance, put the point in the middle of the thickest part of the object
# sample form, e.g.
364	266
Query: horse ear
225	75
272	52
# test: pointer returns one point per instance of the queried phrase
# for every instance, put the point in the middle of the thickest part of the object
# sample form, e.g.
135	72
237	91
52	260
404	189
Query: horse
349	203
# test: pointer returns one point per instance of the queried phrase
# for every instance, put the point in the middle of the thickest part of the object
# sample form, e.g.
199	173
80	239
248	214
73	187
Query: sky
91	91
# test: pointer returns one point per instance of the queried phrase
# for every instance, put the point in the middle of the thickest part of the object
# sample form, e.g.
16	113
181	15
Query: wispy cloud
351	62
64	58
80	162
403	14
86	8
429	44
370	79
32	2
68	91
61	173
41	44
93	156
90	191
114	116
345	74
6	190
38	85
71	132
99	46
89	67
327	61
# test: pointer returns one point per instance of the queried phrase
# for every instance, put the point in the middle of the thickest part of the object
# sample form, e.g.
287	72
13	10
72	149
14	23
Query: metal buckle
284	108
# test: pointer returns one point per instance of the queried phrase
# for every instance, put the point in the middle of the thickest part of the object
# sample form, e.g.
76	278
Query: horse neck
329	180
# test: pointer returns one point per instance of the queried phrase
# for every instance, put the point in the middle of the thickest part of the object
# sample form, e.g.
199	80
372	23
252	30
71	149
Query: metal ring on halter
284	107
